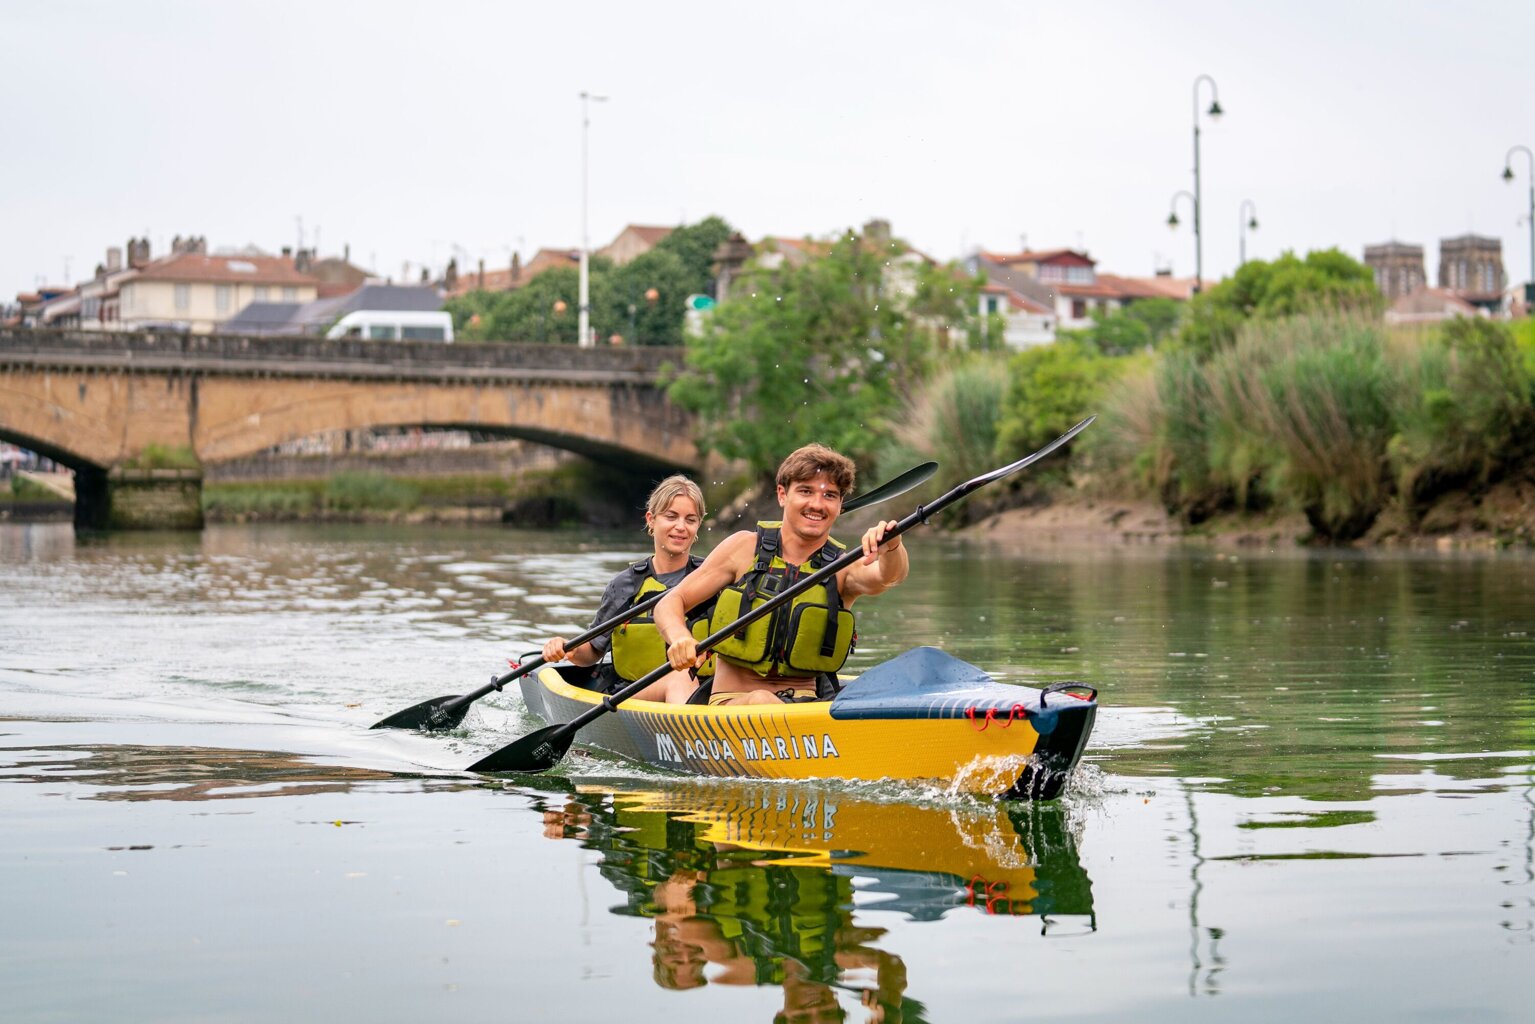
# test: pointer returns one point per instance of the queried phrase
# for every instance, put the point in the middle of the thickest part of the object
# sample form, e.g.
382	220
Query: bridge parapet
152	352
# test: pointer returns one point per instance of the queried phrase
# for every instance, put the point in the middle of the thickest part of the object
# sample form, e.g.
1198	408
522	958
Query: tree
695	246
800	354
1326	280
656	284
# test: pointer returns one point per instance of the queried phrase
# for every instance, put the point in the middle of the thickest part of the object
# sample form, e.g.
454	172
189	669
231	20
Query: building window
183	297
991	304
290	294
261	293
1078	309
221	297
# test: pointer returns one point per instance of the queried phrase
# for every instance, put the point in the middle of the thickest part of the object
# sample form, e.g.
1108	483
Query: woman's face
676	528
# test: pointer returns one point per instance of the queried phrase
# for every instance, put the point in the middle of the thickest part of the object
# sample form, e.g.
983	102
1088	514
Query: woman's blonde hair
668	491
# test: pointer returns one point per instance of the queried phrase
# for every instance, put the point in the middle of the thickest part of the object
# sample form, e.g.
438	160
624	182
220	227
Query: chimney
516	270
114	259
481	284
303	261
877	231
287	252
138	252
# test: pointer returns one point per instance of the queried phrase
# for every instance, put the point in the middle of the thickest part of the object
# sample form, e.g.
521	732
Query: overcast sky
414	131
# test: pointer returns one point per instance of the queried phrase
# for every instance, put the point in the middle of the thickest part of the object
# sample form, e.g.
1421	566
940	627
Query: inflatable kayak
921	716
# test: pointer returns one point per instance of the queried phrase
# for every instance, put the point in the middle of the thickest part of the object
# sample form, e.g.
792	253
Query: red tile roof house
196	292
1068	283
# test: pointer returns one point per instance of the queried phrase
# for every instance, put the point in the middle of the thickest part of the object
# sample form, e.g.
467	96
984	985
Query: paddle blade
536	752
433	715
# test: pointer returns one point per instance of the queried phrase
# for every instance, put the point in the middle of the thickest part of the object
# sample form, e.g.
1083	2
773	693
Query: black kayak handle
1067	686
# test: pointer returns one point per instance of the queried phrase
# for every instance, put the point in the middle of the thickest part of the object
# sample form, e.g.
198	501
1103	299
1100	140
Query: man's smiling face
810	507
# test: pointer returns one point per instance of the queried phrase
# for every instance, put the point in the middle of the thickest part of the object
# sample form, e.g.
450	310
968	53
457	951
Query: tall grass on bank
953	421
1325	413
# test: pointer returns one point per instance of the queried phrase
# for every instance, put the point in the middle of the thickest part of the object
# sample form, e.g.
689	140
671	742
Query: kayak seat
826	687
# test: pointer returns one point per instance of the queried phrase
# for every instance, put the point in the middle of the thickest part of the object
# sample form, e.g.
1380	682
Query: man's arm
724	565
884	564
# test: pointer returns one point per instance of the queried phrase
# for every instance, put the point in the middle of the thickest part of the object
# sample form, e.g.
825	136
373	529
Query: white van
394	325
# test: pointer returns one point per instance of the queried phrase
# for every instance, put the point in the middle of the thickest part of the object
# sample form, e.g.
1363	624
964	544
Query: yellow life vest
811	634
637	646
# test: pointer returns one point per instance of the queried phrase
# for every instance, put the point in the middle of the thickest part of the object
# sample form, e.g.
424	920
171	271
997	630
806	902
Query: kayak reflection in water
753	884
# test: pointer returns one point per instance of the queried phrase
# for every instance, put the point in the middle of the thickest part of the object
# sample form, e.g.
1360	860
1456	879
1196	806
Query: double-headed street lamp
1214	112
1249	221
583	299
1508	176
1172	212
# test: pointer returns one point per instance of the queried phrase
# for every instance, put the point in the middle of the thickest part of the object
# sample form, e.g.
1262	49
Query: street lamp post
1215	113
1508	176
583	298
1249	221
1172	212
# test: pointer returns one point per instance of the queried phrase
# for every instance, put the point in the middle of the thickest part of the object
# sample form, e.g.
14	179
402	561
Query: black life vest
637	645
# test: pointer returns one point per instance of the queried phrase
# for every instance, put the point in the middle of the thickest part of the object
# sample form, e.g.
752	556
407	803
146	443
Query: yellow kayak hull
982	737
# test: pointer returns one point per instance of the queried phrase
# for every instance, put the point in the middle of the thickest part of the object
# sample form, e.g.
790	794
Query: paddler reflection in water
781	656
673	515
819	946
722	916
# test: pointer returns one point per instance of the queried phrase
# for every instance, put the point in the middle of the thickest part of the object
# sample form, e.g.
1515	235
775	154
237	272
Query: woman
673	515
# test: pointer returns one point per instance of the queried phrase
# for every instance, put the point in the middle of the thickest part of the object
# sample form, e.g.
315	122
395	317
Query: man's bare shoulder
734	547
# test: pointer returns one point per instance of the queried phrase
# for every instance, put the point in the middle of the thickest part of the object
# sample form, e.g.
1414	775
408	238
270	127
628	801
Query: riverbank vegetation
1280	391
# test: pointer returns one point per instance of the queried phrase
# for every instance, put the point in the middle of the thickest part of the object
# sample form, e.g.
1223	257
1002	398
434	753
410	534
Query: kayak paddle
447	712
543	748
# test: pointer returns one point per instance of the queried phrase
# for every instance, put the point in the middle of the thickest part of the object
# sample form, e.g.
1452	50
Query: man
778	658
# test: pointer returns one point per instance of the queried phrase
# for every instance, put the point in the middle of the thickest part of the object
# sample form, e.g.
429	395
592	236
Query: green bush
1051	388
1461	401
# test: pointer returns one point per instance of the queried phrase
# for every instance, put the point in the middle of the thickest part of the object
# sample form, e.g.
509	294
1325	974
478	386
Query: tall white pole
583	298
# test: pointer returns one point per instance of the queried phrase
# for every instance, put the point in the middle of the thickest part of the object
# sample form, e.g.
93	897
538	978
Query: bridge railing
305	355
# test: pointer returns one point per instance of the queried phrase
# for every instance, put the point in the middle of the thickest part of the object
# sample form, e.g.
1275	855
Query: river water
1310	795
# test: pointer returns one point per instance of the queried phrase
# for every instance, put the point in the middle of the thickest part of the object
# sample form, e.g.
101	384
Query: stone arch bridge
99	402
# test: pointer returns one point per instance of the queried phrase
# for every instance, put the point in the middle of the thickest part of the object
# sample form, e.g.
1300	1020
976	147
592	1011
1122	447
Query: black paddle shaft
554	741
447	712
